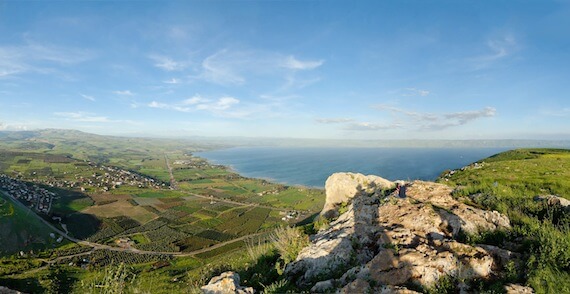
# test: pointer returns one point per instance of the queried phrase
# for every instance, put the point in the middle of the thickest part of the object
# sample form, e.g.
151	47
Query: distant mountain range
220	142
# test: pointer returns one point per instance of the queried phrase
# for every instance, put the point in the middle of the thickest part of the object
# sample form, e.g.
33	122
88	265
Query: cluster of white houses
38	198
103	178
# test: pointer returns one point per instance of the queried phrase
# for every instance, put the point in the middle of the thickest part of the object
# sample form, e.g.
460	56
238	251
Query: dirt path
173	184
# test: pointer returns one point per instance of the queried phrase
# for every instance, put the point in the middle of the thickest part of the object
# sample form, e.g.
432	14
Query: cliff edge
379	242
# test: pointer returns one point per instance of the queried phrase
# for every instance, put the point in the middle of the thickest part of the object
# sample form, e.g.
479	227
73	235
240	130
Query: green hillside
20	230
510	182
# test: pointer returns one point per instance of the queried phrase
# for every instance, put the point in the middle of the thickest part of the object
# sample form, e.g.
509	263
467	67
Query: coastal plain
112	202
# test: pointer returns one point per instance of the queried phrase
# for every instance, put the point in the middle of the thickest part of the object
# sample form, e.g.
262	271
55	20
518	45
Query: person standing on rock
401	188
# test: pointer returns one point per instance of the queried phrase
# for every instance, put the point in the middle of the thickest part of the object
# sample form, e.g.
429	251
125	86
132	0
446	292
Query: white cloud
415	92
167	63
80	116
333	120
293	63
124	93
195	100
12	127
223	68
87	97
498	49
367	126
222	106
172	81
39	58
232	67
433	121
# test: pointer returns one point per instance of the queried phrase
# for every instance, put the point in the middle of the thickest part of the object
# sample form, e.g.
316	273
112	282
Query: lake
312	166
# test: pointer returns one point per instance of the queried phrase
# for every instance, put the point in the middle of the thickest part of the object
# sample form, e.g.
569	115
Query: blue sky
306	69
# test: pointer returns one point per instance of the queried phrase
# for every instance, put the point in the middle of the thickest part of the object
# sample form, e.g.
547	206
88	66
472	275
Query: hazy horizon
331	70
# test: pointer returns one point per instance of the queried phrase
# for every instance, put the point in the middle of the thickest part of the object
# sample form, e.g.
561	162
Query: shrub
289	242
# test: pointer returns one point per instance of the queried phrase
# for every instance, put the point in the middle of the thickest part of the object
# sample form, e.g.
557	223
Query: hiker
401	188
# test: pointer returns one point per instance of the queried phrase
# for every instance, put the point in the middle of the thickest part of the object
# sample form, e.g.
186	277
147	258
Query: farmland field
120	208
111	193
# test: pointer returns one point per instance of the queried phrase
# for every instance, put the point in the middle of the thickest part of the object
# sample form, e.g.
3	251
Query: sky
290	69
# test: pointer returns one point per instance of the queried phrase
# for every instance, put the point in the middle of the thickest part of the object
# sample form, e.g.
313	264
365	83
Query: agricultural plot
194	243
117	188
243	224
221	250
121	207
103	257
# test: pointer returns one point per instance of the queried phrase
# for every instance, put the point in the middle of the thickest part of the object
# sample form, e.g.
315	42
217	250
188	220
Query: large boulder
553	200
383	243
341	187
226	283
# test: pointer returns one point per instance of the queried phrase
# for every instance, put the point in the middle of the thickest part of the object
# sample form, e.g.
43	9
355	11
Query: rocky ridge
381	243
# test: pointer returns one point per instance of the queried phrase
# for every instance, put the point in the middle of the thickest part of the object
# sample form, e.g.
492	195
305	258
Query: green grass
20	231
508	182
221	250
139	238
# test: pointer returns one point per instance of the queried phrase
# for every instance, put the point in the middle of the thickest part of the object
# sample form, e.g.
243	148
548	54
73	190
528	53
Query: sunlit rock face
383	243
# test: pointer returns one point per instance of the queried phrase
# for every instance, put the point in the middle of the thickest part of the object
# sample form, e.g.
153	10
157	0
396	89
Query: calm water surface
312	166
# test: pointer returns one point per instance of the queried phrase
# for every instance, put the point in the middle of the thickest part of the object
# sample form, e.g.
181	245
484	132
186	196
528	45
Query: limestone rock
393	241
322	286
341	187
356	286
4	290
226	283
553	200
518	289
396	290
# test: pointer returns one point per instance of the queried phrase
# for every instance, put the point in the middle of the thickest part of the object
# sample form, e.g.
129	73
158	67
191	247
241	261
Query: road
173	184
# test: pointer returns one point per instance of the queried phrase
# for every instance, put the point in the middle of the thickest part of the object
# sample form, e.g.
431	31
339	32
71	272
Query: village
103	179
38	198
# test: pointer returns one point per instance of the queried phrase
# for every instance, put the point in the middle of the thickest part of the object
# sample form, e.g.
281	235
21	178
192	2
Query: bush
289	242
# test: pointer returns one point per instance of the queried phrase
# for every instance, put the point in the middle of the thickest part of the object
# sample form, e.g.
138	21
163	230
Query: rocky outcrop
383	243
553	200
518	289
226	283
4	290
341	187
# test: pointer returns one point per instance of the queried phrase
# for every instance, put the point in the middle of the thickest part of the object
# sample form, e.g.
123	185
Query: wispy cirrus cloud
123	93
87	97
293	63
168	64
225	68
415	92
334	120
498	49
435	121
368	126
38	58
236	67
172	81
411	120
81	116
198	103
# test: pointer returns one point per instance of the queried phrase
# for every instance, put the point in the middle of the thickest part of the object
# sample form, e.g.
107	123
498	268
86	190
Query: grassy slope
507	182
19	231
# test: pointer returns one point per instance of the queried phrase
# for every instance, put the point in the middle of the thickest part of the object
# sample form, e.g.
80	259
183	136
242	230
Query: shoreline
310	167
